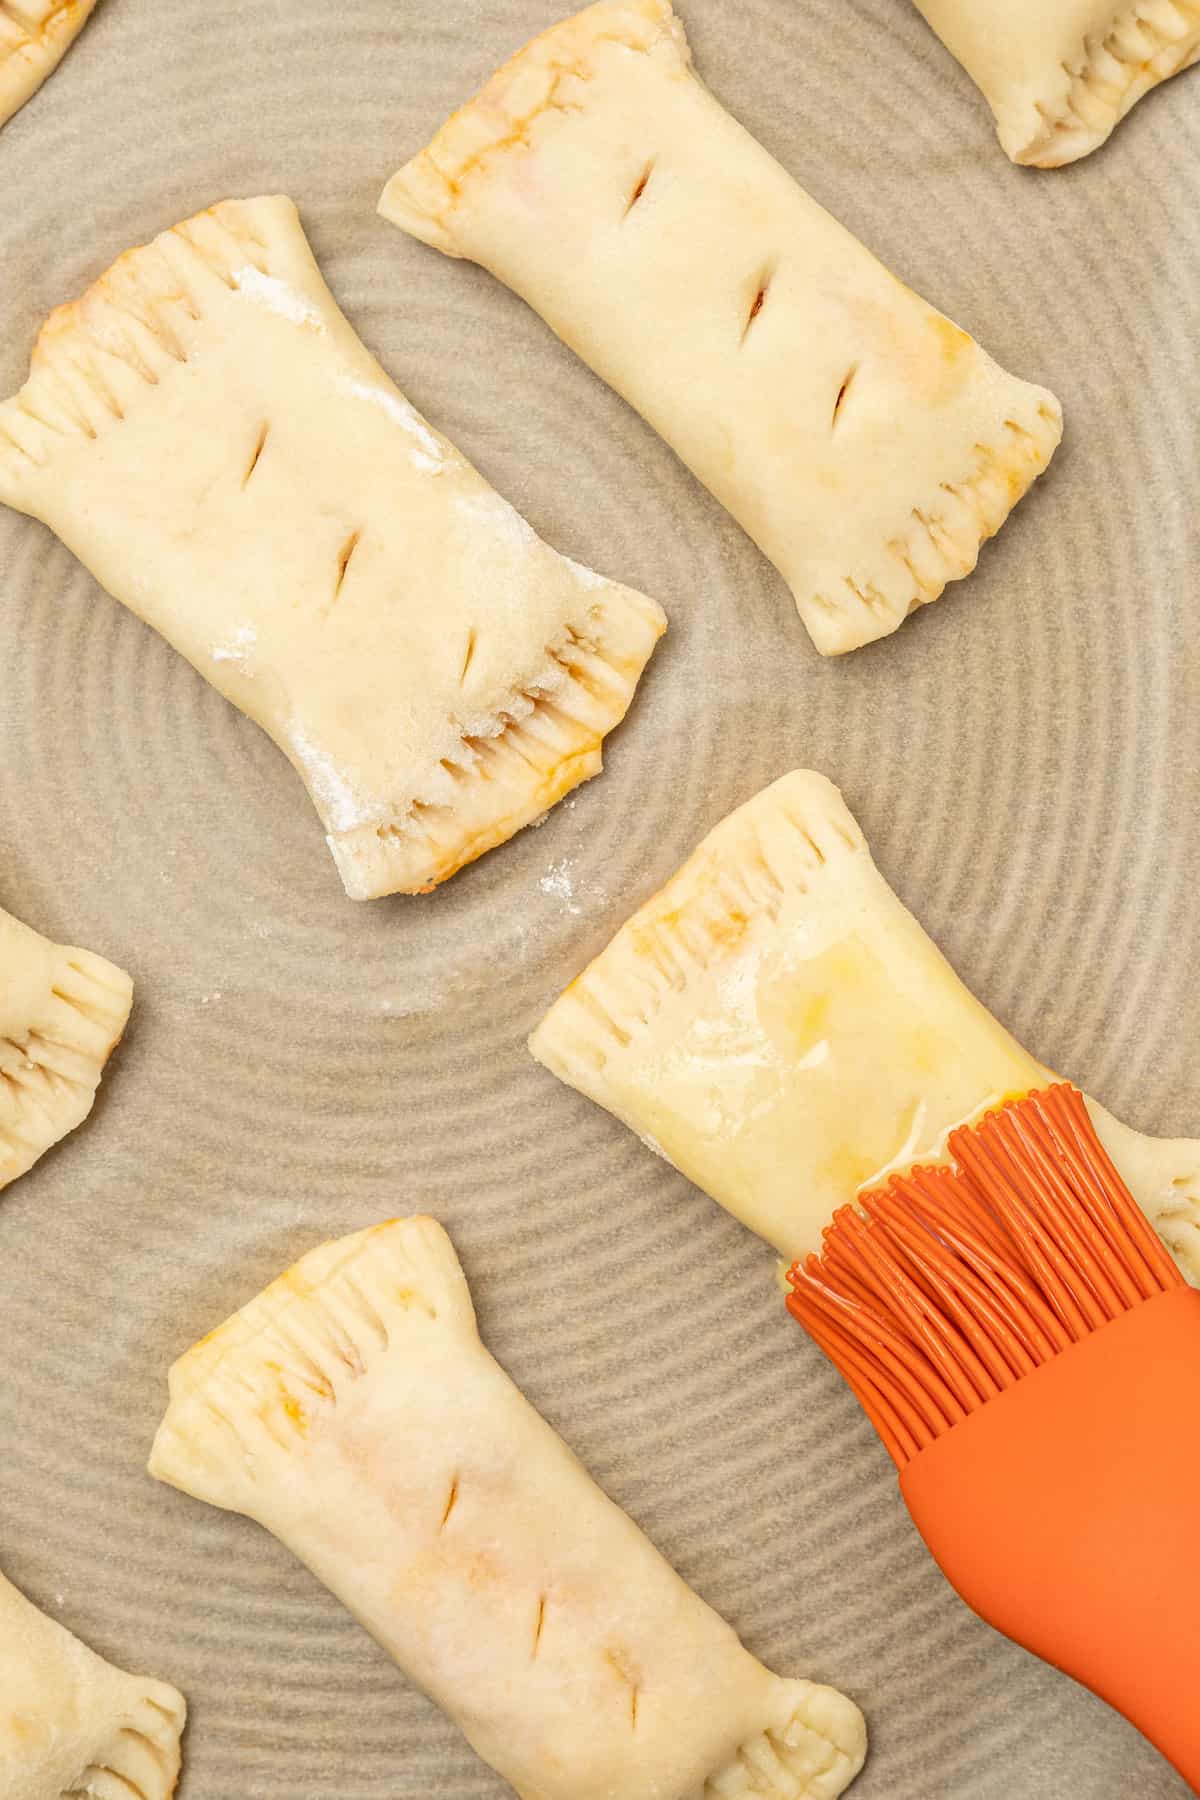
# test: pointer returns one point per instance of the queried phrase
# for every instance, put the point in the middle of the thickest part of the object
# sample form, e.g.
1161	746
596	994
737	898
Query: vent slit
347	551
759	301
639	190
259	447
451	1503
842	392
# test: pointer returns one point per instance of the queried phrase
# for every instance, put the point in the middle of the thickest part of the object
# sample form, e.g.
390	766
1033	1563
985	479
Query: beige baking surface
1025	758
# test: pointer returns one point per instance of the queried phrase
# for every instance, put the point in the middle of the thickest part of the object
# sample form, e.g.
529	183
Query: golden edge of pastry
49	1074
421	196
233	1385
1105	82
98	357
941	543
731	881
551	740
28	57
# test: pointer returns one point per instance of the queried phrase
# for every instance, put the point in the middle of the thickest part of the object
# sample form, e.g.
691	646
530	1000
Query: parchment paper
1023	756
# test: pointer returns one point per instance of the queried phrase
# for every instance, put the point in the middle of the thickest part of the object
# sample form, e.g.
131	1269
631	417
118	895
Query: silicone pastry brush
1005	1322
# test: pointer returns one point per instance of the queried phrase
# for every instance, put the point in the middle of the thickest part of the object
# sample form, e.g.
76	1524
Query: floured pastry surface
207	433
71	1724
62	1012
867	444
1060	75
778	1025
352	1409
34	37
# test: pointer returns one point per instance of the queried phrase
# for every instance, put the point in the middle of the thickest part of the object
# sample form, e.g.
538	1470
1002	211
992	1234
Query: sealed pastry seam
530	86
62	1012
352	1409
776	1024
1148	43
595	160
438	675
72	1724
1057	96
34	37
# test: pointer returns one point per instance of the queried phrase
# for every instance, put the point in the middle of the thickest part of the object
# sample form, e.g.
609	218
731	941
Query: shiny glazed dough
353	1411
864	442
71	1724
778	1025
1060	75
208	434
62	1012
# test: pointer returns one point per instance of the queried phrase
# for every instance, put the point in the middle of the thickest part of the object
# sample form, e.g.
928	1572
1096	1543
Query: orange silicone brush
1026	1349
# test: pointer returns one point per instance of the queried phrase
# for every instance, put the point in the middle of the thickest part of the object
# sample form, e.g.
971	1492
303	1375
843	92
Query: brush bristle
937	1292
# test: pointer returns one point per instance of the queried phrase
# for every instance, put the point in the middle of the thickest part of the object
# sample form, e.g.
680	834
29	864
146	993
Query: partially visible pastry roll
352	1409
866	443
62	1012
1060	75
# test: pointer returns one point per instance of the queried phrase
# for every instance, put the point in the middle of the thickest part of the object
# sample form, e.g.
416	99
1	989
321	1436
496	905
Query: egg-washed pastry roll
35	35
865	443
71	1724
207	433
352	1409
776	1024
62	1013
1060	75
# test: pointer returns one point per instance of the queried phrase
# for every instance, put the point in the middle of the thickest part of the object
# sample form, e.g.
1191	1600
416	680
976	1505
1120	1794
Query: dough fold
35	35
1060	77
352	1409
866	443
776	1024
208	434
62	1012
71	1724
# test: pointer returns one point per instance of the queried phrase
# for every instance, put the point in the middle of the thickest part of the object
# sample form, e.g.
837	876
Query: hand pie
35	35
866	444
353	1411
62	1013
778	1026
71	1724
1060	75
207	433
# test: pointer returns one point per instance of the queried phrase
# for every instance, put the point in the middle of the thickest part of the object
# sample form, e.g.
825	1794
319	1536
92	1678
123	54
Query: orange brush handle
1066	1512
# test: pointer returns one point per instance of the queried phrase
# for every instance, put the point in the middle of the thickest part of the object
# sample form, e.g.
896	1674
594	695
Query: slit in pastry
776	1024
1060	77
62	1013
865	443
352	1409
71	1726
35	35
209	436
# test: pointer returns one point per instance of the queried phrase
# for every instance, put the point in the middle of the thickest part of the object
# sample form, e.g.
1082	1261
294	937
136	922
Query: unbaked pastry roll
34	37
1060	75
776	1024
866	444
353	1411
207	433
62	1012
71	1724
